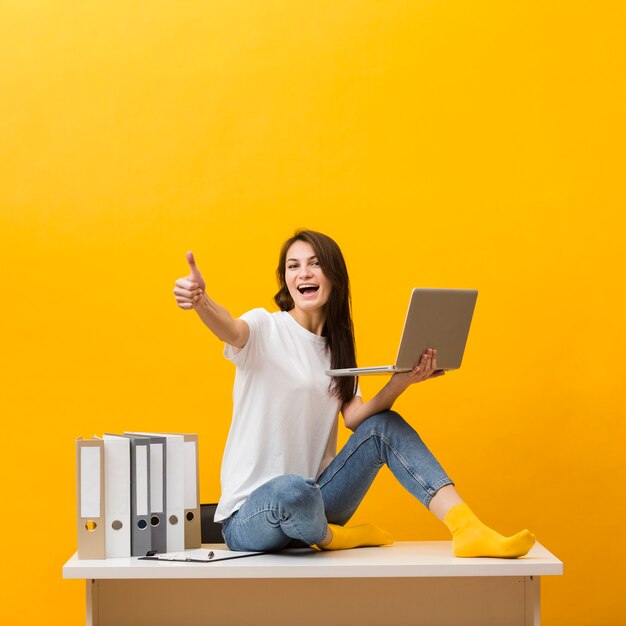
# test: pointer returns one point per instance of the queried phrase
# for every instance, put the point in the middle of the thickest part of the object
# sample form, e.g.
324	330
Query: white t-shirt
284	416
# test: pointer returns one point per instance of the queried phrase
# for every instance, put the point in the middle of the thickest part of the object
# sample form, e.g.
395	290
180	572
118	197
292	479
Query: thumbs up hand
194	273
189	290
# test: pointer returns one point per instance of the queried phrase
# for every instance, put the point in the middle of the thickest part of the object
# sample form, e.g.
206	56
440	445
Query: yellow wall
470	144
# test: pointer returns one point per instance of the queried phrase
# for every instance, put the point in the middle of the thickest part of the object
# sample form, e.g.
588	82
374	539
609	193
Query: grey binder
141	539
158	491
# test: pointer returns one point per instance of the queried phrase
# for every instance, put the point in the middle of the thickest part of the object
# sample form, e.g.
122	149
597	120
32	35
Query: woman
282	483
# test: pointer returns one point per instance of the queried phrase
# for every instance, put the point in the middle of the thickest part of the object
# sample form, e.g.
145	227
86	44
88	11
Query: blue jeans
293	511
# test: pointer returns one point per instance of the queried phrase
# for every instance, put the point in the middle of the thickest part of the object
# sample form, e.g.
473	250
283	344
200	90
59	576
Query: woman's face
307	284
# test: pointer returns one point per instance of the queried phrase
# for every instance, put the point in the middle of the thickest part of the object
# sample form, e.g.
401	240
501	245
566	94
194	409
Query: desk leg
92	604
533	600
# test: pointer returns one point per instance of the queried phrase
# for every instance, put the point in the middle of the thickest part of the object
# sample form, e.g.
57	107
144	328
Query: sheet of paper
202	554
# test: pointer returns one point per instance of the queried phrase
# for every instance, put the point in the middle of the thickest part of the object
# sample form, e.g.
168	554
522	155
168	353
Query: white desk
406	583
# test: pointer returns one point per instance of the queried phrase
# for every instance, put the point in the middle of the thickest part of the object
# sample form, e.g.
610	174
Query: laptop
436	318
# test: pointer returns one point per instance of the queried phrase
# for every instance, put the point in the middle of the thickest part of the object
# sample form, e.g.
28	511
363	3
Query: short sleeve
260	323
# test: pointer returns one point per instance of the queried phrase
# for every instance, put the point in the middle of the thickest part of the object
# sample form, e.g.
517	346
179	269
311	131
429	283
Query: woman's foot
471	538
343	537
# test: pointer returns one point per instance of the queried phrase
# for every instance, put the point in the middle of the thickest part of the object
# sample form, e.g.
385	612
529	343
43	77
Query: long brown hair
338	328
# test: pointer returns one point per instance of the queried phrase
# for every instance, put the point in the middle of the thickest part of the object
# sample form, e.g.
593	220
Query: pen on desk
211	554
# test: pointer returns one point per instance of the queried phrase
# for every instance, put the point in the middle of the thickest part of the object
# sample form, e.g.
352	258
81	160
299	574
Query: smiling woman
283	483
315	290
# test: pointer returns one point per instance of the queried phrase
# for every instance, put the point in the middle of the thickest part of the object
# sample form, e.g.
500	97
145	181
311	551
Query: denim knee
382	421
293	494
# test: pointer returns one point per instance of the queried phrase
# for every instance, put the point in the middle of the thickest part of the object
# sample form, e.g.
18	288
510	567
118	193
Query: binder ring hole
91	526
154	520
142	524
173	520
190	516
116	525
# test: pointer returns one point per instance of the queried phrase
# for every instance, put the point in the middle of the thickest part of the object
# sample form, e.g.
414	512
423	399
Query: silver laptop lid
439	319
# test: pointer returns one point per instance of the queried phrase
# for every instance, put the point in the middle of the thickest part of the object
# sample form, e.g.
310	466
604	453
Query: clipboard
198	555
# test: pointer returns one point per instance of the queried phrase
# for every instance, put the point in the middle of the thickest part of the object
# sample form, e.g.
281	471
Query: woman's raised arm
190	293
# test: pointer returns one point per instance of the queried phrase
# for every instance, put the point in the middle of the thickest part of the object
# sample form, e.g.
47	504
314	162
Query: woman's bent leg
283	509
382	439
385	438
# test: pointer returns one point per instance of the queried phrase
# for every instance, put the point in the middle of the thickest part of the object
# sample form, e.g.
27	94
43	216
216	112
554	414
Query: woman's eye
292	267
316	263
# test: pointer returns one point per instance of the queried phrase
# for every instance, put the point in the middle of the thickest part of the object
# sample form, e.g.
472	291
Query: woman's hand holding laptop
425	369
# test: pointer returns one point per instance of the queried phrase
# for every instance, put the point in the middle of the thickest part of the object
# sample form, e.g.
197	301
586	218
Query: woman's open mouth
308	290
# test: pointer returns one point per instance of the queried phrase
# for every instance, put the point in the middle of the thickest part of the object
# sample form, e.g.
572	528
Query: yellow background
462	144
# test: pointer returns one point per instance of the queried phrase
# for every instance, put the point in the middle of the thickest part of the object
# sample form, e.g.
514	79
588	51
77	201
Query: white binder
90	512
175	487
117	495
192	493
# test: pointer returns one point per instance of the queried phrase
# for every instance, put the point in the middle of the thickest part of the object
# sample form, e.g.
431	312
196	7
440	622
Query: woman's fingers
426	363
434	372
187	293
186	298
185	283
426	367
184	303
428	370
417	373
189	289
194	272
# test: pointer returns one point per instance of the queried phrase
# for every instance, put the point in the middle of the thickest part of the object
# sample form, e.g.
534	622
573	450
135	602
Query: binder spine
117	486
193	530
90	515
158	493
141	538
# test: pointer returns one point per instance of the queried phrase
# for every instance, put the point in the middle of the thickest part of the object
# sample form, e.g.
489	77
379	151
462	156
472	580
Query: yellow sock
356	536
470	537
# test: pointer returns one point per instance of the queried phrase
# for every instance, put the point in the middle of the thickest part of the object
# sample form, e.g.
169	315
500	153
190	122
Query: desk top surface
425	559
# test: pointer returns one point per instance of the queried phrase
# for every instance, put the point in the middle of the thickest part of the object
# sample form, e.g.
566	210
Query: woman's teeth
308	288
